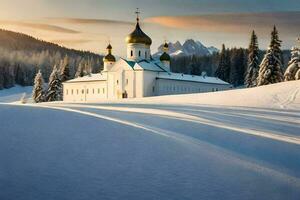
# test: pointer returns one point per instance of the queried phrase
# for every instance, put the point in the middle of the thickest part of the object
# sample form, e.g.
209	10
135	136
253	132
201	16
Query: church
136	76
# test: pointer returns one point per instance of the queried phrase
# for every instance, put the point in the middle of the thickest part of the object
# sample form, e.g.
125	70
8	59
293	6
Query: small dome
109	58
165	57
138	36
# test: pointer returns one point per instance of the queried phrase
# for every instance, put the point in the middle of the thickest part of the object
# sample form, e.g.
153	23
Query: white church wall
139	86
85	91
136	52
169	87
149	83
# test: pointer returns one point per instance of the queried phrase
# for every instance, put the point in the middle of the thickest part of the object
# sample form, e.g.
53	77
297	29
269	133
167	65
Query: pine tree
271	67
38	91
253	62
80	69
54	92
223	70
65	69
293	66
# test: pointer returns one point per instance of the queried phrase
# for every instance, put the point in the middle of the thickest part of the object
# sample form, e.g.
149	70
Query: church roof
191	78
88	78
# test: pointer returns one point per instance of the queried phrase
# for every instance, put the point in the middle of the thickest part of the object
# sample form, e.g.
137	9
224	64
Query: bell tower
138	43
108	60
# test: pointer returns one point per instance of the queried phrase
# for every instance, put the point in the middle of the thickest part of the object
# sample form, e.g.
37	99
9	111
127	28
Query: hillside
232	145
22	55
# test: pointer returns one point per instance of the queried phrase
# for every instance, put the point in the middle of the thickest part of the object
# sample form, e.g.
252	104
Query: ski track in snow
183	138
202	115
283	137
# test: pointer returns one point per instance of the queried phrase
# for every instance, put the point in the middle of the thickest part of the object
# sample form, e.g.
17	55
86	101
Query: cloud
39	26
89	21
289	22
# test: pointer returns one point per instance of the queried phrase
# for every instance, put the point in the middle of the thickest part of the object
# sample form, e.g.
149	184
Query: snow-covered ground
241	144
15	94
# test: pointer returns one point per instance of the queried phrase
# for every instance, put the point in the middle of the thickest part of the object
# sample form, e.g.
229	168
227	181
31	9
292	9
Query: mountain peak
188	48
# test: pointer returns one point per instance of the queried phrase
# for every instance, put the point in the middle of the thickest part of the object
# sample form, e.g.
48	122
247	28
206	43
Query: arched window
139	53
131	53
145	54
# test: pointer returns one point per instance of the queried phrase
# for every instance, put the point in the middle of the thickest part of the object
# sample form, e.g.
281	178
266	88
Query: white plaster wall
149	86
107	66
85	91
139	86
168	87
167	65
135	48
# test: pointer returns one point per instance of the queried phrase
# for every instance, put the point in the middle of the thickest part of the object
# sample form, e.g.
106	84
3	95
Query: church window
131	53
77	91
126	81
117	82
145	54
72	91
67	92
93	91
87	91
82	91
139	53
103	90
98	90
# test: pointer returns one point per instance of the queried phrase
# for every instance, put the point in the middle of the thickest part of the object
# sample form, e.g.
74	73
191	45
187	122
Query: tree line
237	66
22	56
268	70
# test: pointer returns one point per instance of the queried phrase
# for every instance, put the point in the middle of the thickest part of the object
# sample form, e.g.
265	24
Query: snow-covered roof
191	78
88	78
150	66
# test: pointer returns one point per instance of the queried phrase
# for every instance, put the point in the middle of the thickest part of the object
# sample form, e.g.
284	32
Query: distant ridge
188	48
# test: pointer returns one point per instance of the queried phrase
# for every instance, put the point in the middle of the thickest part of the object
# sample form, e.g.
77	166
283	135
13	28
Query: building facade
136	76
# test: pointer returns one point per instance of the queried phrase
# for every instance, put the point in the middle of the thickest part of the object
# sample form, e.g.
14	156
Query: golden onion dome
165	57
109	57
138	36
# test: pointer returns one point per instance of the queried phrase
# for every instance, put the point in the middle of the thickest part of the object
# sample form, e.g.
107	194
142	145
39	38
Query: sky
91	24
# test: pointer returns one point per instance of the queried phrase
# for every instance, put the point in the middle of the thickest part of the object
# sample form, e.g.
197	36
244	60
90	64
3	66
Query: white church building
138	75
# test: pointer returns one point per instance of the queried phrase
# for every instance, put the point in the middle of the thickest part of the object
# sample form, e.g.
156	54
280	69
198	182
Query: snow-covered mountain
188	48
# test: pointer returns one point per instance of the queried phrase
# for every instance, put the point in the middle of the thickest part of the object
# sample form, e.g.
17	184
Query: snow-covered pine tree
253	62
270	70
38	90
223	70
293	66
54	92
80	69
65	69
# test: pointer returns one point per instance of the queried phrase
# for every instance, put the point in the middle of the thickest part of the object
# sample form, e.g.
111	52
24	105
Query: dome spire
138	36
137	12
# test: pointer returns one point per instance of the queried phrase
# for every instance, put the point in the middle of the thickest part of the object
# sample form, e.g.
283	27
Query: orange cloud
289	22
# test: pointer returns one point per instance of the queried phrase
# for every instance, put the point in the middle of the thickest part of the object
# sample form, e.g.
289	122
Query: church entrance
125	95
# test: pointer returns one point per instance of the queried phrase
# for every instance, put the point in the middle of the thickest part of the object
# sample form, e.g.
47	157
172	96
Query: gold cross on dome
137	12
